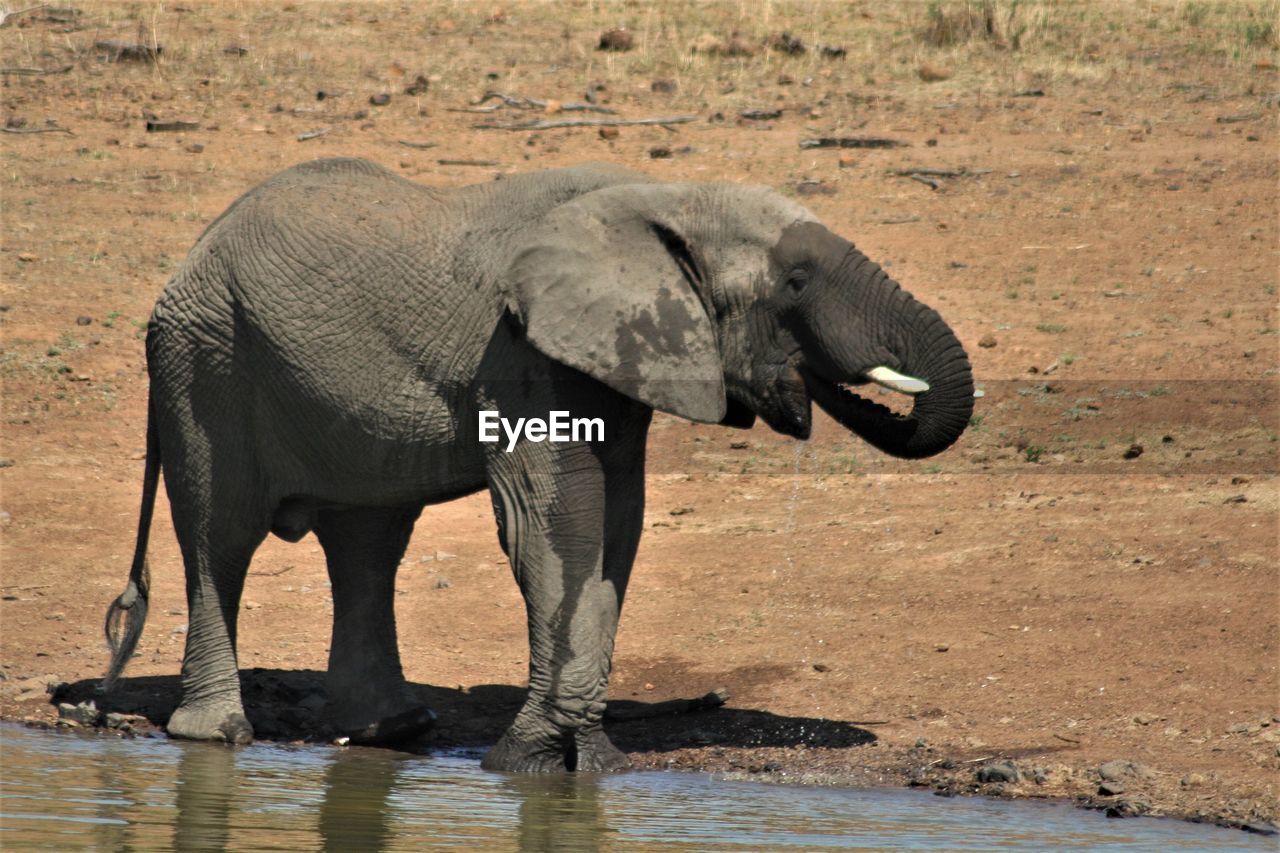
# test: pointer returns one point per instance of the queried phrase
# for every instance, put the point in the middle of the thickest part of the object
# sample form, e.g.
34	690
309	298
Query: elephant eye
797	279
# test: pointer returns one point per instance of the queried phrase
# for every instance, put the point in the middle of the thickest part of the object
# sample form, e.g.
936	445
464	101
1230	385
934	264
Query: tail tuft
125	619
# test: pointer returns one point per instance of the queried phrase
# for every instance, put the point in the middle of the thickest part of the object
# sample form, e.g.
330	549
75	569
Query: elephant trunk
906	336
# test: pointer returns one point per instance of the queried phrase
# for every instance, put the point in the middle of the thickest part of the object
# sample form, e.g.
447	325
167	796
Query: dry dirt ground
1089	575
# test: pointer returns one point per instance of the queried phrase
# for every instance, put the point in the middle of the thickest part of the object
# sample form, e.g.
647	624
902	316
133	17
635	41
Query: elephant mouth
840	401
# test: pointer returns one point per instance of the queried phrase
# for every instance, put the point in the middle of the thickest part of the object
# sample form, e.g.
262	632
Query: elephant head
719	303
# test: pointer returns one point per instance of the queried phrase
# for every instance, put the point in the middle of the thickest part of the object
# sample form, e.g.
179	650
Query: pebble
1002	771
987	341
82	320
1114	771
84	714
1128	808
1111	788
1192	780
380	100
616	39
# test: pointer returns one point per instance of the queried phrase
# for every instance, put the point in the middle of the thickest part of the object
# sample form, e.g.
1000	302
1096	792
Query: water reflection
64	791
356	810
559	813
208	781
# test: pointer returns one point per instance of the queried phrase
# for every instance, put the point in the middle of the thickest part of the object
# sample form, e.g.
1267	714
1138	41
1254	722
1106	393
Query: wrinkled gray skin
319	361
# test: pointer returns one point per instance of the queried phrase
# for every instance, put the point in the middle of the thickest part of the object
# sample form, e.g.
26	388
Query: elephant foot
211	722
597	754
587	751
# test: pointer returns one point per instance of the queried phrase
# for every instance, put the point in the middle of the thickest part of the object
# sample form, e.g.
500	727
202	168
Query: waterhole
69	791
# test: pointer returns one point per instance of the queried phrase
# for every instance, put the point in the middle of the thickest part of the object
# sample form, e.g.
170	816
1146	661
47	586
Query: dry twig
36	130
852	142
585	122
520	103
31	72
6	16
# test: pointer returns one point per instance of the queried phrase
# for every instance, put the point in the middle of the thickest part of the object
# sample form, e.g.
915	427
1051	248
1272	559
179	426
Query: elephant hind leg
369	699
216	550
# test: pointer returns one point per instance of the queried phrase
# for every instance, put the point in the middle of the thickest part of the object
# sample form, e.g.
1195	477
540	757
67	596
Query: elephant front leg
571	536
369	699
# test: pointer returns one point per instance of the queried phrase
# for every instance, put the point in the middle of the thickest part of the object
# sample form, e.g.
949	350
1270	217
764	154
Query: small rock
1236	499
987	341
707	43
1147	719
1040	775
418	87
114	720
618	39
737	46
195	148
815	188
659	152
6	463
663	87
941	647
1128	808
83	320
1111	788
441	583
609	132
180	629
1001	771
1114	771
84	714
1192	780
27	257
379	100
1239	481
932	73
821	667
787	43
772	767
846	161
341	741
1134	451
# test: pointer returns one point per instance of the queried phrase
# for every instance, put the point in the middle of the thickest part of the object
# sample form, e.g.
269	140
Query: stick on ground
853	142
585	122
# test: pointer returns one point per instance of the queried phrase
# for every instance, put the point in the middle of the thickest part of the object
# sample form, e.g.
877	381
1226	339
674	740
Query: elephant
321	360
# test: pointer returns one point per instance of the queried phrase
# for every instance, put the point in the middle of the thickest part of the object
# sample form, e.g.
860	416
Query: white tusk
895	381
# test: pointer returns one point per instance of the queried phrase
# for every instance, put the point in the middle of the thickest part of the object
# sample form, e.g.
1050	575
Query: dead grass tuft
949	25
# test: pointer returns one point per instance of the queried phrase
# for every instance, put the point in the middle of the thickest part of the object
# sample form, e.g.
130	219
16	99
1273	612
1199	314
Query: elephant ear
608	285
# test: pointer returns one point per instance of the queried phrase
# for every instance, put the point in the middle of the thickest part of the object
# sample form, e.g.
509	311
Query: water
72	791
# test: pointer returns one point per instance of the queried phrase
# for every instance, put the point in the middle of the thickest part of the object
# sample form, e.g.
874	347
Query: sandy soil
1089	576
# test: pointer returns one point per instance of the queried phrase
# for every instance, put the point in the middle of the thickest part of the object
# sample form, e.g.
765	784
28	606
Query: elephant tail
128	613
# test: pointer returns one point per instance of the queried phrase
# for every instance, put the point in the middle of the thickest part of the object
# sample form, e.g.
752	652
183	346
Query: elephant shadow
289	705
